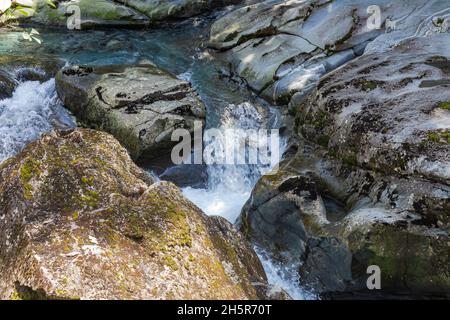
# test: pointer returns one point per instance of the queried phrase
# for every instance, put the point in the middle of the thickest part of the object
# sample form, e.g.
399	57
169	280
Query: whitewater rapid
33	109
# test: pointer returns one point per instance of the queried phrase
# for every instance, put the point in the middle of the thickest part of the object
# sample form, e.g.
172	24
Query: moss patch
444	105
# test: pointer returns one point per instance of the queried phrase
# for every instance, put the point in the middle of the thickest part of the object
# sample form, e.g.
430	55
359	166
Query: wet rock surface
140	105
337	220
365	182
387	112
81	221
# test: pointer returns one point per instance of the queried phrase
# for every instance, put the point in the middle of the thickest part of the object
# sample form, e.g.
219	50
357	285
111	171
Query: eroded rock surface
109	13
337	220
283	47
79	220
366	181
140	105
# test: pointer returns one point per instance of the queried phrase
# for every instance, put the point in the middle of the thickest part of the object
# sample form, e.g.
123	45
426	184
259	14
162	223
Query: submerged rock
140	105
79	220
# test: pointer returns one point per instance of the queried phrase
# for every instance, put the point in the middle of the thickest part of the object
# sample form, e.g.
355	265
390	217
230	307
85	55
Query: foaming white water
33	109
230	186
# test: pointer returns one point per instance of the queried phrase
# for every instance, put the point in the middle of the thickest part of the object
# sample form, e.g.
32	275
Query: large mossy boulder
109	13
140	105
79	220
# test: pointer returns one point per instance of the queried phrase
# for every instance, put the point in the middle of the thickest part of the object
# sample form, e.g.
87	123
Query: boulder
387	112
109	13
366	179
79	220
283	47
93	13
16	69
159	10
140	105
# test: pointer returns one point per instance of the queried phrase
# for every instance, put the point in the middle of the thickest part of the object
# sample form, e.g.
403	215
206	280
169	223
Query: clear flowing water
34	107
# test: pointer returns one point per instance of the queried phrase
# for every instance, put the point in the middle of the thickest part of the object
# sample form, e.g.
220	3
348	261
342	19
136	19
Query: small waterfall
33	109
230	186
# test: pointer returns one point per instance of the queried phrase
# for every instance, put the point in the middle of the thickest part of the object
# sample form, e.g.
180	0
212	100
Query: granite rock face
79	220
336	219
78	14
140	105
282	48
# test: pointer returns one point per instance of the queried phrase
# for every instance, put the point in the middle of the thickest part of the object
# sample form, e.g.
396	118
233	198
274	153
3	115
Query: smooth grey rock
265	42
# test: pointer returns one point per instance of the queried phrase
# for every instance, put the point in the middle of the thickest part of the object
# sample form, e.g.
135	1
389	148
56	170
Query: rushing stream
34	107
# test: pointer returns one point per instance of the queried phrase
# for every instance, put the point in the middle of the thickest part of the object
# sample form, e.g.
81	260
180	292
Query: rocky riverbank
108	13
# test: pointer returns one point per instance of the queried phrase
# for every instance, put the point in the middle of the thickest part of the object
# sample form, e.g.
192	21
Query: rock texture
374	188
366	181
140	105
92	13
387	112
283	47
158	10
79	220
